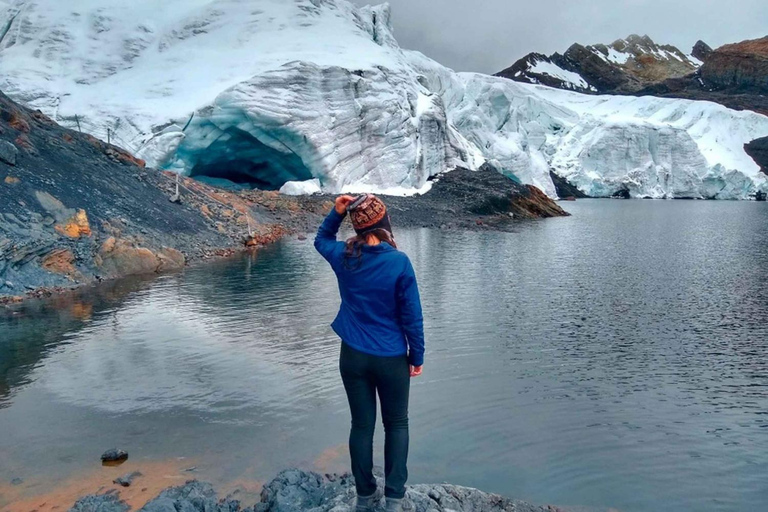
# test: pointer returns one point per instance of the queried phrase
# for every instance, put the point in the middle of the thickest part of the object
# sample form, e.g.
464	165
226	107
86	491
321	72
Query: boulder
8	152
127	479
114	455
119	257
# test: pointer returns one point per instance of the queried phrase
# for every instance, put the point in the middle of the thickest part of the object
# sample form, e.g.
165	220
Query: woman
381	328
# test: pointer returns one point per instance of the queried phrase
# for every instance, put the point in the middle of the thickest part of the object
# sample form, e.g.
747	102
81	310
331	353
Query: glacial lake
615	359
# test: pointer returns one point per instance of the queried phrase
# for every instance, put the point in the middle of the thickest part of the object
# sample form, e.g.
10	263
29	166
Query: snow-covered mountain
624	66
266	92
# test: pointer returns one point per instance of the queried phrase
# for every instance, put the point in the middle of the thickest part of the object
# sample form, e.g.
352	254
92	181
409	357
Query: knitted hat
368	212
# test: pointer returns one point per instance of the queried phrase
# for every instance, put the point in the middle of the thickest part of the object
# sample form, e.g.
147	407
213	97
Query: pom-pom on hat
368	212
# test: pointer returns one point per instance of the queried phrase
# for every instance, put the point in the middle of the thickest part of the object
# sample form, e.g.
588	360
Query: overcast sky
489	35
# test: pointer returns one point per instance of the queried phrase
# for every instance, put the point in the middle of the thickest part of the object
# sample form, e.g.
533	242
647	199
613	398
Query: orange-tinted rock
265	235
170	259
23	141
60	261
118	257
11	180
18	123
121	258
76	226
205	210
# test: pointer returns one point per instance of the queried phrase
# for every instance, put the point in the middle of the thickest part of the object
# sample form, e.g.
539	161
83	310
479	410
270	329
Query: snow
617	57
315	94
300	188
571	79
696	62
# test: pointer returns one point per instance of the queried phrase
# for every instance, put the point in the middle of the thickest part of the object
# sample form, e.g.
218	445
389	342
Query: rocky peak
624	66
701	50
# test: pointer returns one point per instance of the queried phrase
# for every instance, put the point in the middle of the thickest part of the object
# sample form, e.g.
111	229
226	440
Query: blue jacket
380	310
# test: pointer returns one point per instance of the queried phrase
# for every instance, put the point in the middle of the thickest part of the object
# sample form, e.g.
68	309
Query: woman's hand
341	204
416	370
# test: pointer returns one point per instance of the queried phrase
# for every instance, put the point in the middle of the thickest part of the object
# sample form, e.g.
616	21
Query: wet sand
52	495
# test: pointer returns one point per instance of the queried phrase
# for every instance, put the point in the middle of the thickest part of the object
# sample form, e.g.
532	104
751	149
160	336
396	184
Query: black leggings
363	375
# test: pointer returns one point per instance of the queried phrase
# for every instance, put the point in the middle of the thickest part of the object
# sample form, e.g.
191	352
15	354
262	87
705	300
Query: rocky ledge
294	490
76	210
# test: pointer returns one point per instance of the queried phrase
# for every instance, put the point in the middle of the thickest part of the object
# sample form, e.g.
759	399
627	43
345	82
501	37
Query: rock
191	497
119	257
624	66
8	152
460	196
53	206
170	259
701	50
60	261
109	502
295	490
114	455
742	67
8	285
127	479
565	188
758	150
11	180
76	226
302	237
734	75
17	481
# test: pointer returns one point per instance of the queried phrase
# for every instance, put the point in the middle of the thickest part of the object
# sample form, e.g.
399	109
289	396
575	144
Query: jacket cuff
416	359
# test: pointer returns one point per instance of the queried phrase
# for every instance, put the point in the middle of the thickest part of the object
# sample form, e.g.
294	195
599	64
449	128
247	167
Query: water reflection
32	329
615	358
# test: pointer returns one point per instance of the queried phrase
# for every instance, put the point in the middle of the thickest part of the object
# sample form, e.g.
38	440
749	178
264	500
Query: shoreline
297	490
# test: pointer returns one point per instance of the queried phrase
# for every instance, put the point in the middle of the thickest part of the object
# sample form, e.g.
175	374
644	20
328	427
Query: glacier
317	94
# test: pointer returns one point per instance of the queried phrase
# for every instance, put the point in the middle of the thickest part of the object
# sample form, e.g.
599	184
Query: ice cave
238	157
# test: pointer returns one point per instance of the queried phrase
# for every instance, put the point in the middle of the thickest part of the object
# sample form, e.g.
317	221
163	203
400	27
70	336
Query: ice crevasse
316	94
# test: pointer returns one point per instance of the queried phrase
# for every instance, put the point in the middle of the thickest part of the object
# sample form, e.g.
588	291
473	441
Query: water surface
613	359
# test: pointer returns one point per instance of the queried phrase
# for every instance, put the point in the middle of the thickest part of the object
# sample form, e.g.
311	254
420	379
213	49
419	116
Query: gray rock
109	502
294	490
17	481
193	496
127	479
8	152
114	455
298	491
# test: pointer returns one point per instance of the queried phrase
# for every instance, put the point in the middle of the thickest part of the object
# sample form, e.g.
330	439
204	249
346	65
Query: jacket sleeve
411	319
325	240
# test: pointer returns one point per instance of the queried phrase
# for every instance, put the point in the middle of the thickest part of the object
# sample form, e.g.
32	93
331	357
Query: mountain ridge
624	66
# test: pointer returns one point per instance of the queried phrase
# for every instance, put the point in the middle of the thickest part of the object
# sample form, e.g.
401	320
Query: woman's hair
354	246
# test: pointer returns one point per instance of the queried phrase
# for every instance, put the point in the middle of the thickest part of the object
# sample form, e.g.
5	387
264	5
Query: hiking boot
396	505
368	503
